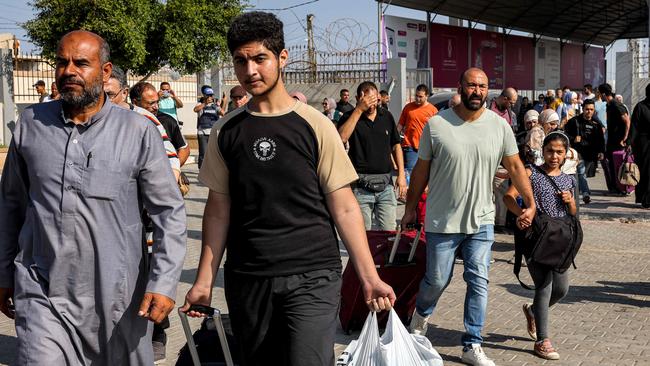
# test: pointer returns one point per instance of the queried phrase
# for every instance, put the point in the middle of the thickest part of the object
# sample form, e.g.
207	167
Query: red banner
487	53
571	72
520	63
448	54
594	66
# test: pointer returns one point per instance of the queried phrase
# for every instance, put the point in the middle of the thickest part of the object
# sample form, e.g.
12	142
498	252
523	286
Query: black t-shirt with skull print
277	170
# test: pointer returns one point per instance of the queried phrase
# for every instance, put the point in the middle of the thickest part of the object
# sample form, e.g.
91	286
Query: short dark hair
589	87
119	75
138	89
343	91
165	83
383	93
256	26
605	89
423	88
549	100
588	101
365	86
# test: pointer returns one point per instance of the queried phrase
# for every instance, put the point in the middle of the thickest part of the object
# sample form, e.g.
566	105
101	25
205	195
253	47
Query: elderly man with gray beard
73	269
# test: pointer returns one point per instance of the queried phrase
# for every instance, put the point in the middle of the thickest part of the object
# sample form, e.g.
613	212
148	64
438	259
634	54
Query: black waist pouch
374	182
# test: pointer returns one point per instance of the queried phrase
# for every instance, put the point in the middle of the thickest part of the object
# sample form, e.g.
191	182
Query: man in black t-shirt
279	183
343	105
175	135
618	129
373	138
586	134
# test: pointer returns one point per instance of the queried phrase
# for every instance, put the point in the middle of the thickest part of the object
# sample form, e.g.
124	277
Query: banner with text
547	65
519	62
449	54
572	73
594	66
407	38
487	54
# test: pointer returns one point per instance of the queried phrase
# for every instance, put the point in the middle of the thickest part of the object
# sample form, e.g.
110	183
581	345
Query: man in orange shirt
411	122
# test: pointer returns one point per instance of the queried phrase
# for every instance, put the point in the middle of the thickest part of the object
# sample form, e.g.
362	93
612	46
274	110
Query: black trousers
611	175
289	320
202	139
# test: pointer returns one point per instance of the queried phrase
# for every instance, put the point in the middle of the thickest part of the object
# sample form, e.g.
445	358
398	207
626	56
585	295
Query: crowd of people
93	225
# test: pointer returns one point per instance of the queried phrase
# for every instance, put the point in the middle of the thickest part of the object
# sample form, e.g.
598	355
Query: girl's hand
567	197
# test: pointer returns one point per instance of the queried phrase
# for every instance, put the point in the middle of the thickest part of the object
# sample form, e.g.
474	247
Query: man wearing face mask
208	113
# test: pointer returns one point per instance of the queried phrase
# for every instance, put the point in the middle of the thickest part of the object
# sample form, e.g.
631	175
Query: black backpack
550	241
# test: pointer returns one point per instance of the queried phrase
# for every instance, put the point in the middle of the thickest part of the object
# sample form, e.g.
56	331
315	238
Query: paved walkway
604	320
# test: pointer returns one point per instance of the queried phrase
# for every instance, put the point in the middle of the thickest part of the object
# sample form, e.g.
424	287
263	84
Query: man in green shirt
460	150
168	102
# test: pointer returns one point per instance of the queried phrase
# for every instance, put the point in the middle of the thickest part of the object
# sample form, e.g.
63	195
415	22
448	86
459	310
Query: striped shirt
169	147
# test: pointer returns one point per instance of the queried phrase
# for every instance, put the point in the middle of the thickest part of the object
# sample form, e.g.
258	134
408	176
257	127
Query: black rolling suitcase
211	345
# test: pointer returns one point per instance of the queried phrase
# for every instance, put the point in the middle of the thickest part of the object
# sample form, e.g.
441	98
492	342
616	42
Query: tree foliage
144	35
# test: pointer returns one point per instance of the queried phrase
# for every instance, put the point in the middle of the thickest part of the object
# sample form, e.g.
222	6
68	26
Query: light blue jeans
410	158
476	253
582	180
383	204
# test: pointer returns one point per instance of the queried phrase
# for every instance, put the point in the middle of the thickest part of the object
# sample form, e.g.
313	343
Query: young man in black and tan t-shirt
279	184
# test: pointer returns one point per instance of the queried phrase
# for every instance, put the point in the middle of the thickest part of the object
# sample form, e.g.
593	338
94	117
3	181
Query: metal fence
307	66
30	68
27	70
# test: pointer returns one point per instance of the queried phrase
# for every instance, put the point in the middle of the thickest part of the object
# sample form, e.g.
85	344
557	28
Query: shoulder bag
628	173
550	241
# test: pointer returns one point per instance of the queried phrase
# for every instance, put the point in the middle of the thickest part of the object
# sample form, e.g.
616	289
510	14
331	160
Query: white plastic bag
365	350
396	347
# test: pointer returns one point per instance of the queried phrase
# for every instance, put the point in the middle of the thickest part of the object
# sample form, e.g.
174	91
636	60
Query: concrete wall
639	90
625	76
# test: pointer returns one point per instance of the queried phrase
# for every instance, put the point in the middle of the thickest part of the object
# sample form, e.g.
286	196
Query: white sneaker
419	324
475	356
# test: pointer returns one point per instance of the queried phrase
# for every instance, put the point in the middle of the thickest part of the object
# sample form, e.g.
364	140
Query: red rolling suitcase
400	258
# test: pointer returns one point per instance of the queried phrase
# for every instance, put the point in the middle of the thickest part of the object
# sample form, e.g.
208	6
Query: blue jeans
383	204
410	158
476	252
582	179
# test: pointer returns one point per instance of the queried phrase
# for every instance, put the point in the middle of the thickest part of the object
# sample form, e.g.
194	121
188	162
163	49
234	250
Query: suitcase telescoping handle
215	314
398	236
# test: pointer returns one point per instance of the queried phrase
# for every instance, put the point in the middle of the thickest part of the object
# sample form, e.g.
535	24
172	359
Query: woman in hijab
571	104
551	122
329	109
534	137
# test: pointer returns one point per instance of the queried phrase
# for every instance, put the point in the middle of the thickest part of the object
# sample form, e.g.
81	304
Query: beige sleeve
214	172
334	169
